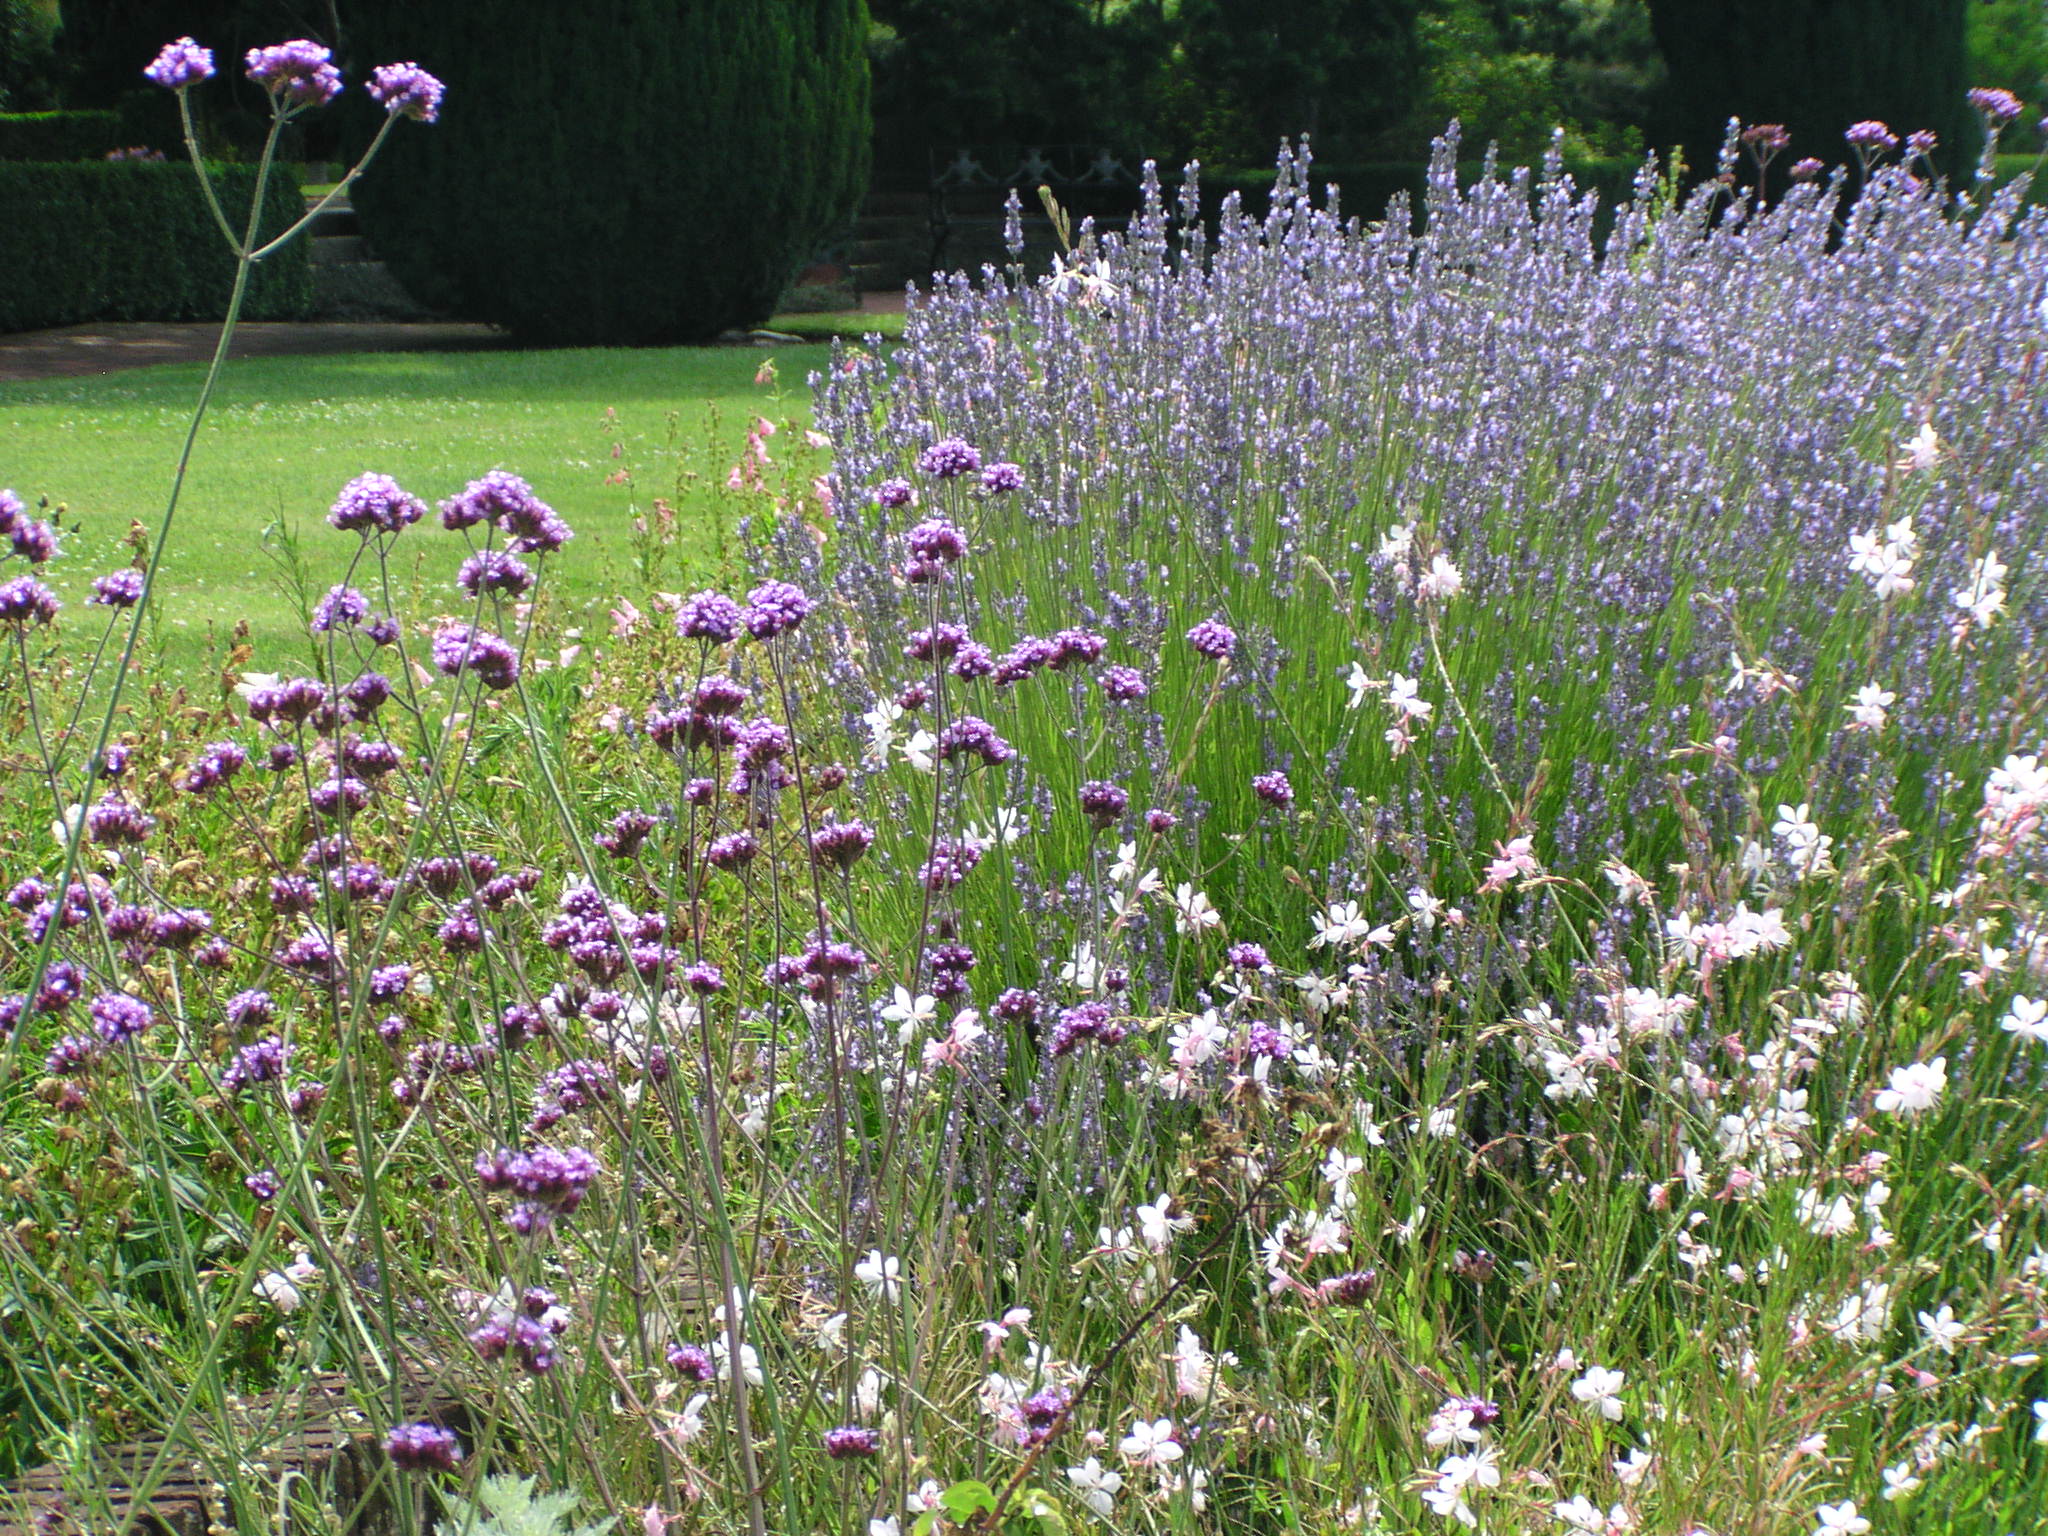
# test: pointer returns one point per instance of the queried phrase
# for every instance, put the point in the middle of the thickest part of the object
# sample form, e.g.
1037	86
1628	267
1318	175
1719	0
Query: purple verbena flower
1103	803
117	589
1214	639
459	648
1998	107
949	458
180	64
25	601
423	1448
342	608
299	73
841	843
937	541
375	503
1274	789
774	608
850	1442
408	89
118	1017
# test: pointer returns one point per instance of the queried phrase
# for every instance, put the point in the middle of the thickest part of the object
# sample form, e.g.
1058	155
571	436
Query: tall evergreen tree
617	171
1816	66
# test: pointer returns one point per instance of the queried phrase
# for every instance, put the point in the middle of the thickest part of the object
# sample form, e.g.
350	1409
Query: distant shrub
95	241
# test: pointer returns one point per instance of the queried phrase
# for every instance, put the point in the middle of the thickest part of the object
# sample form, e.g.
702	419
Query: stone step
337	219
339	250
362	290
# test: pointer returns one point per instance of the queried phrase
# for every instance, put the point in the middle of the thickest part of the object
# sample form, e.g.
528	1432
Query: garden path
75	351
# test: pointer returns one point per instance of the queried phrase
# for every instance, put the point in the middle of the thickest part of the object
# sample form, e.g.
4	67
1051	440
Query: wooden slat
309	1433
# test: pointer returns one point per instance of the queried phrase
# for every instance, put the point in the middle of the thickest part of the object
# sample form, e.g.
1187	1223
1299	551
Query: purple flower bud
894	493
1871	137
1000	478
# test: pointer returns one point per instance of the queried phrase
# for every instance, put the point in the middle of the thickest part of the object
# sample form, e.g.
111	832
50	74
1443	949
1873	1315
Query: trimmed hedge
100	241
59	135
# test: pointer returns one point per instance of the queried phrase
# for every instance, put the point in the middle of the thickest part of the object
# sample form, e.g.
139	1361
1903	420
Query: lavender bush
1334	880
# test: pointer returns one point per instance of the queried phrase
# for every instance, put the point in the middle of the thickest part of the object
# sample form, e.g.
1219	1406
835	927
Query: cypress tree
617	172
1815	66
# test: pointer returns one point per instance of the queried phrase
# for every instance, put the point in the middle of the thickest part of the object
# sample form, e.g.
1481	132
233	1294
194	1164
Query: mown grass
284	434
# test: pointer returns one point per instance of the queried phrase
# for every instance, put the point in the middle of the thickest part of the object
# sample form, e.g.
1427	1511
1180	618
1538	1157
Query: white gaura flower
1359	684
1402	698
1441	580
1398	542
750	1362
1868	712
1158	1226
1096	1484
281	1287
1341	923
1982	597
1600	1388
1192	912
918	750
1920	452
1942	1329
1915	1088
2027	1018
881	723
910	1014
1150	1444
1082	971
880	1276
1824	1217
1899	1481
1839	1520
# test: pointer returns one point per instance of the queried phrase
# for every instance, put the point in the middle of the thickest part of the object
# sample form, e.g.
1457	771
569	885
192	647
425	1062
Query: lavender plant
1336	879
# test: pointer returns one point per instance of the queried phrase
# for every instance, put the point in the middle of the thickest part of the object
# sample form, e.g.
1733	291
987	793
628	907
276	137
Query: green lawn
285	433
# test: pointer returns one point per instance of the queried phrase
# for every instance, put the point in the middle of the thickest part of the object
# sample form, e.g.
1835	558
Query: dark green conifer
617	172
